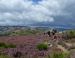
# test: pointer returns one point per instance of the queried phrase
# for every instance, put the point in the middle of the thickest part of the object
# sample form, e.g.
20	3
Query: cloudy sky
27	12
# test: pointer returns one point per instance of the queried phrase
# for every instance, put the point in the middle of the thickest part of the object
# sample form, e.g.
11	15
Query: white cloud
25	12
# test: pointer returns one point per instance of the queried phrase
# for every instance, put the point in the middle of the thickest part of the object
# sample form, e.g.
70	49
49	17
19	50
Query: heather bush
17	54
42	46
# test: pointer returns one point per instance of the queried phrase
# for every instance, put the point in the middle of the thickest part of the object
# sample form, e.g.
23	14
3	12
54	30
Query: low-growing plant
3	45
42	46
11	46
17	54
69	34
58	55
4	56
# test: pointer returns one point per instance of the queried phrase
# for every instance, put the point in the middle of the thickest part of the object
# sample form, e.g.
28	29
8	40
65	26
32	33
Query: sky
30	12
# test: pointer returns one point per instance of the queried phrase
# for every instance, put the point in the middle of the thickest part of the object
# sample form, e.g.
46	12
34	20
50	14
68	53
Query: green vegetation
11	46
3	45
4	33
27	32
58	55
24	32
42	46
69	34
20	32
4	56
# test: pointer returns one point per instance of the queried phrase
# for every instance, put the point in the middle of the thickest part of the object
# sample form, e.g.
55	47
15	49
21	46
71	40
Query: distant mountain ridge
12	28
45	24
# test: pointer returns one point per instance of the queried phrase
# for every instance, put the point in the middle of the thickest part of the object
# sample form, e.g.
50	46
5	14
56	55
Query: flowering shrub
17	54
